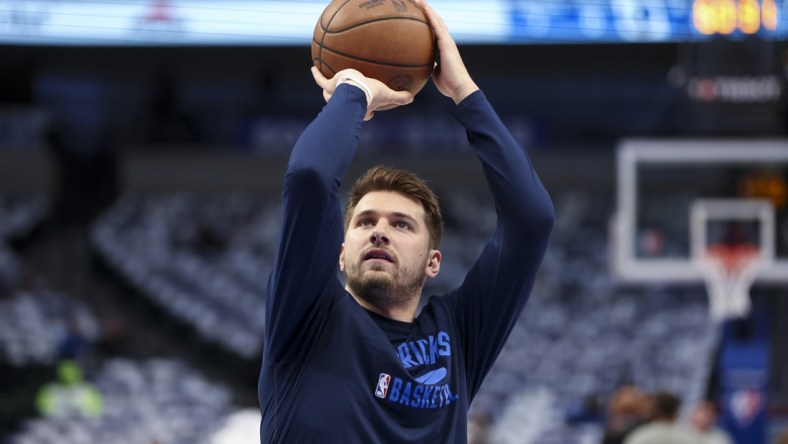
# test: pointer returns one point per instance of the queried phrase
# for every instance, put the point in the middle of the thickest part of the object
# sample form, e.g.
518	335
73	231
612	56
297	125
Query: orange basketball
388	40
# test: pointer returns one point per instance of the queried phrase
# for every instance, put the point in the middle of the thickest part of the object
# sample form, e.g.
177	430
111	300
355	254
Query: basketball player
354	364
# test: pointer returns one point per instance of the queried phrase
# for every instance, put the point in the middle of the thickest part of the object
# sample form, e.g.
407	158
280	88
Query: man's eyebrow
393	213
403	216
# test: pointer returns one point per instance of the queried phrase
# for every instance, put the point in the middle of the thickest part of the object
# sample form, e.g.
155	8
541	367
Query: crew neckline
396	331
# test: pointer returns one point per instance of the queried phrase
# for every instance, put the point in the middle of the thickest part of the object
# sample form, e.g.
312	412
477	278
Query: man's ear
433	263
342	257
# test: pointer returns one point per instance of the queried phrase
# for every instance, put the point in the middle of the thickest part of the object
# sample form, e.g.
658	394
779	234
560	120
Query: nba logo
746	405
383	385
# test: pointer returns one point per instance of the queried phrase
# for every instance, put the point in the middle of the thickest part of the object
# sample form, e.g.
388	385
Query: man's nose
378	237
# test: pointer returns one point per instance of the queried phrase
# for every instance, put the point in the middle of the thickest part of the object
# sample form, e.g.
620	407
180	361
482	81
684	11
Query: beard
382	290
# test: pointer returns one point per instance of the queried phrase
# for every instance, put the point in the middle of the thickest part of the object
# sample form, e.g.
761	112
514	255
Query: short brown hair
666	405
383	178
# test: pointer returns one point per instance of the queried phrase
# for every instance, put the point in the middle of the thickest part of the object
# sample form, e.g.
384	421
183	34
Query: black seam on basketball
320	21
326	65
377	62
382	19
324	28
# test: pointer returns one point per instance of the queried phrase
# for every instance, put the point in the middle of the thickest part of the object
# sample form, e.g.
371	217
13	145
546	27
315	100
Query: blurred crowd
632	416
205	261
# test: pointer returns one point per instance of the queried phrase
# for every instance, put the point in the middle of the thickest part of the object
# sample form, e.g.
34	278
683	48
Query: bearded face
386	256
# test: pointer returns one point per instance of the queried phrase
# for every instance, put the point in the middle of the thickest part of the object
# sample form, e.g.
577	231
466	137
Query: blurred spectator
704	420
74	343
663	428
587	411
651	243
70	395
479	429
628	408
113	341
10	271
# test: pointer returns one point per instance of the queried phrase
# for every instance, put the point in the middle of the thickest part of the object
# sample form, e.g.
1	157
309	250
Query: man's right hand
379	96
450	75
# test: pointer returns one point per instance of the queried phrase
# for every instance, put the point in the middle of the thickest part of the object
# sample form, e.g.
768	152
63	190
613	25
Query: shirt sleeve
489	301
305	269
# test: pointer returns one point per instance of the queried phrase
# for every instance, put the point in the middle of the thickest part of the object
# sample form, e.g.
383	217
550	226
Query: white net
729	272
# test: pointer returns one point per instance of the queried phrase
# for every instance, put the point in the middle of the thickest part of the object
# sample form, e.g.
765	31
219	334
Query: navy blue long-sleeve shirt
335	372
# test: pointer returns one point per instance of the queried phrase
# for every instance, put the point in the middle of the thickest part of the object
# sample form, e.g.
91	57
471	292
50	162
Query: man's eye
402	225
365	222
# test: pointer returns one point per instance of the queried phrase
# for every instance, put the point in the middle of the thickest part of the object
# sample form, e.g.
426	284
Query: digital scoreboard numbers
732	17
578	21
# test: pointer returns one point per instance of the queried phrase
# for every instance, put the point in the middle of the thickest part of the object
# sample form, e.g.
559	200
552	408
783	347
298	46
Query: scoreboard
645	20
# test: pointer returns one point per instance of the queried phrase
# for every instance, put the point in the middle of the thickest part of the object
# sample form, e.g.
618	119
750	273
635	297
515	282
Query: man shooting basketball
354	363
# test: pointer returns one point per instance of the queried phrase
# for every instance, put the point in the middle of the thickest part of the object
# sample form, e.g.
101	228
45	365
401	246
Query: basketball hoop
729	272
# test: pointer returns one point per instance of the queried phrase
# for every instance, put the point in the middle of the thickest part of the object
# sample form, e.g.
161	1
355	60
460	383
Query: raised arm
492	296
306	263
494	292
